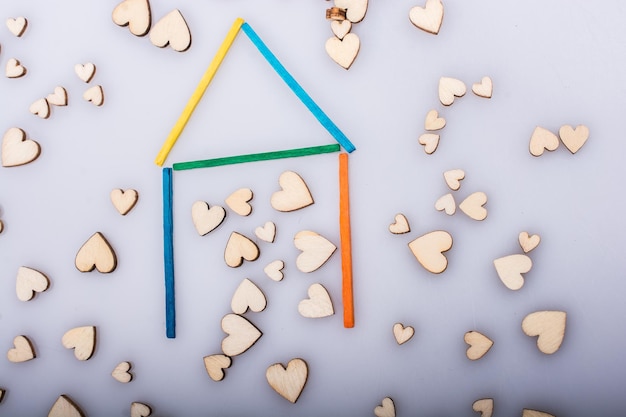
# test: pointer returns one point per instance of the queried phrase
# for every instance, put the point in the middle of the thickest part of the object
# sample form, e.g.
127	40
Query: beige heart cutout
17	26
479	345
294	193
135	14
549	326
428	250
85	71
343	51
171	30
355	9
542	139
473	206
65	407
318	304
239	248
446	203
267	232
534	413
429	17
58	97
386	409
215	365
484	407
430	142
22	351
449	88
274	270
341	28
241	334
40	108
140	410
29	282
527	242
574	138
484	88
402	334
14	69
238	201
453	178
288	382
400	225
510	269
82	340
96	253
124	200
17	150
433	121
206	219
248	295
95	95
121	373
316	250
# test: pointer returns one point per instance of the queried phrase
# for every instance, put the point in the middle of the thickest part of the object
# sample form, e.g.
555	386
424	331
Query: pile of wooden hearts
344	46
471	205
17	26
543	139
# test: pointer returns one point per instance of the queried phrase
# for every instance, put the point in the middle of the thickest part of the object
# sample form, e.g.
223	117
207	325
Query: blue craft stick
319	114
168	253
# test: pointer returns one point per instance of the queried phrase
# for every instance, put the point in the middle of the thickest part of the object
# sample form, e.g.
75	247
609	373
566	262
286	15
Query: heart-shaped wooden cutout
453	178
534	413
479	345
430	142
355	9
400	225
549	326
288	382
484	88
40	108
171	30
316	250
238	248
528	242
449	88
121	372
386	408
135	14
433	121
446	203
238	201
402	334
341	28
429	17
17	26
96	253
65	407
483	406
215	365
267	232
473	206
274	270
85	71
17	150
241	334
248	295
428	250
22	351
58	97
124	200
542	139
82	340
294	193
510	269
29	282
574	138
94	95
14	69
343	51
140	410
206	219
318	304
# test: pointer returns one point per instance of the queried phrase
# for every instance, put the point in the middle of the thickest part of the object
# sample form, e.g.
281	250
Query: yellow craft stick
197	94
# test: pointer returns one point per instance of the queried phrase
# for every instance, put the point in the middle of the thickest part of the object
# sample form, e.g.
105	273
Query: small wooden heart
238	248
447	204
94	95
17	25
453	178
22	351
386	409
484	88
430	142
449	88
241	334
206	219
248	295
479	345
171	30
58	97
473	206
82	340
574	138
549	326
274	270
341	28
40	108
400	225
433	121
542	139
528	242
65	407
215	365
402	334
267	232
14	69
318	304
290	381
140	410
428	250
294	193
29	282
85	71
124	200
17	150
484	407
316	250
239	201
526	412
343	51
135	14
510	269
96	253
121	373
355	9
429	17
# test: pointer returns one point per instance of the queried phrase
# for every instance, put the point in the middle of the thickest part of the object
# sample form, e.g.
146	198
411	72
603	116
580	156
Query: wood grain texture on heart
479	345
64	406
446	203
82	340
526	412
124	200
402	334
294	193
215	365
94	95
542	139
449	89
121	372
343	51
22	350
355	9
453	178
138	409
386	409
274	270
473	206
340	28
96	253
318	304
400	225
248	296
17	150
17	26
40	108
238	248
484	406
484	88
289	382
267	232
528	242
206	219
15	69
239	201
433	121
574	138
85	71
428	18
241	334
171	30
510	269
58	97
430	141
549	326
29	282
135	14
428	250
316	250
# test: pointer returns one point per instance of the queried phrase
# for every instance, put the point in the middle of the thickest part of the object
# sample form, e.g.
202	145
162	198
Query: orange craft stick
346	242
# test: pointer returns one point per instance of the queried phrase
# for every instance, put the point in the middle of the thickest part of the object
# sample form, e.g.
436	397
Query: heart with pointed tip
449	89
94	95
385	409
400	225
484	407
574	138
22	351
215	365
290	381
433	121
294	193
341	28
171	30
17	26
14	69
29	282
65	407
267	232
430	142
429	17
343	51
85	71
140	410
241	334
82	340
473	206
446	203
428	249
274	270
479	345
510	269
96	253
239	201
316	250
40	108
238	248
542	139
402	334
58	97
528	242
124	200
549	326
135	14
318	304
484	88
121	372
453	178
206	219
17	150
248	296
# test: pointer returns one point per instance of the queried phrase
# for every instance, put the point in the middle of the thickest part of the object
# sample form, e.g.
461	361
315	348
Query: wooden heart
58	97
484	88
453	178
267	232
124	200
241	334
40	108
248	295
22	351
400	225
121	373
473	206
290	381
85	71
96	253
402	334
549	326
542	139
171	30
534	413
140	410
239	248
318	304
433	121
479	345
316	250
29	282
574	138
428	250
14	69
65	407
528	242
238	201
386	409
294	193
17	150
343	51
355	9
449	88
82	340
206	219
447	204
429	17
510	269
135	14
430	142
484	407
215	365
95	95
17	25
274	270
341	28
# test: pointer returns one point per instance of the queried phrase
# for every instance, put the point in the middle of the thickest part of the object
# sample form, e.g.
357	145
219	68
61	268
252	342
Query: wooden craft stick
199	92
254	157
168	253
346	243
